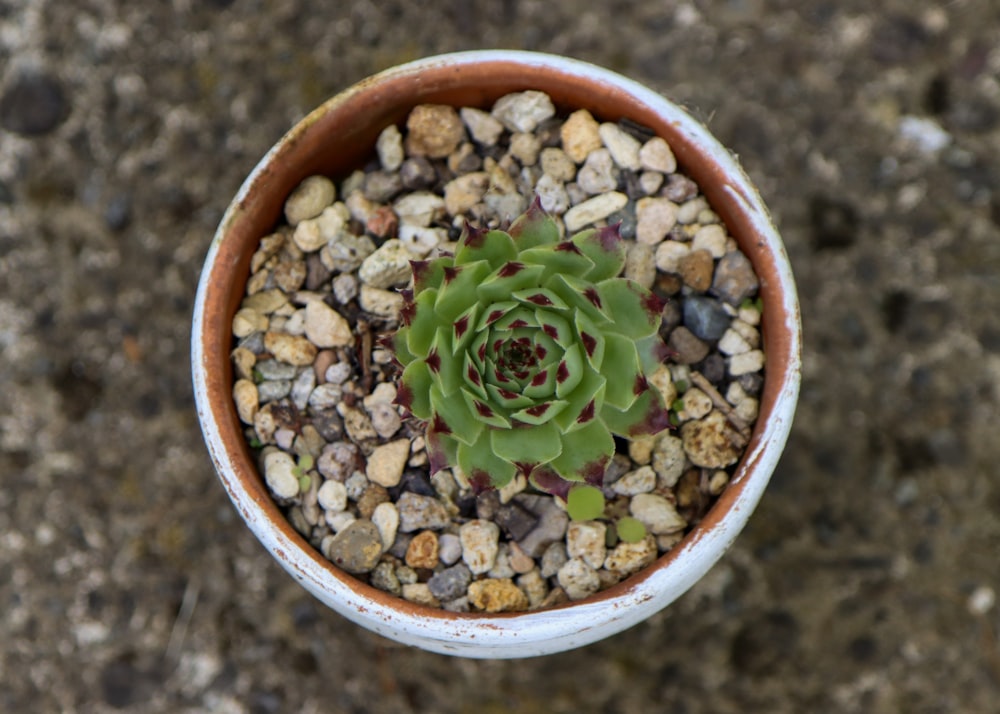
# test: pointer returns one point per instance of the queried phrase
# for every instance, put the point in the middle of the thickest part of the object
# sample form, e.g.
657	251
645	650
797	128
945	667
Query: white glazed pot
335	139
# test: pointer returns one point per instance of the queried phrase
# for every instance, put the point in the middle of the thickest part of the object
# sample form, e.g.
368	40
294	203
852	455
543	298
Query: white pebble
642	480
732	343
656	155
696	404
669	254
689	210
578	579
655	217
383	303
339	520
332	495
481	125
712	238
338	372
656	513
386	520
449	548
523	111
389	146
389	265
746	363
586	540
356	485
552	194
594	209
981	600
624	147
597	175
279	473
419	208
420	241
345	288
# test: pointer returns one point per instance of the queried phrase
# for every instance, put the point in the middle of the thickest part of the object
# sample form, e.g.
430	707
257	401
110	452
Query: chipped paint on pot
334	139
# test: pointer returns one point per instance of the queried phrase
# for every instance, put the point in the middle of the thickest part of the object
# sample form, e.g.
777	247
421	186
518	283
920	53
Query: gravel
316	391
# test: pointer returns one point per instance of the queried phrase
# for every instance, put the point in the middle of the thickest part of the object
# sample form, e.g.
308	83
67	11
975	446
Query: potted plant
336	140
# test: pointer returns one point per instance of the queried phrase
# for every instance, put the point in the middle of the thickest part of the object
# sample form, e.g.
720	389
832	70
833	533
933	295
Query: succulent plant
527	353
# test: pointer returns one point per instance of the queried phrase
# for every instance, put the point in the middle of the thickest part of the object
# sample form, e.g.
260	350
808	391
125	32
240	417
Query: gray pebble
553	558
384	578
345	288
381	186
734	279
523	111
450	583
389	146
357	548
273	369
421	512
705	317
417	173
598	174
552	522
688	348
272	390
302	387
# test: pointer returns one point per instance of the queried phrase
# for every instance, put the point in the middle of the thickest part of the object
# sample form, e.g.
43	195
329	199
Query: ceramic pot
338	137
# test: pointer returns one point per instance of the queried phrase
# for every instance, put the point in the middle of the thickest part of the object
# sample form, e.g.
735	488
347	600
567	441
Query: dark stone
329	424
752	383
687	348
895	308
734	280
6	195
416	482
713	368
863	649
487	505
765	642
33	105
381	186
937	96
834	223
118	212
317	274
705	317
515	520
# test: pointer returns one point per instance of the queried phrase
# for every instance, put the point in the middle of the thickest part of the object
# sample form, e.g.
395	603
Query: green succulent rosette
527	353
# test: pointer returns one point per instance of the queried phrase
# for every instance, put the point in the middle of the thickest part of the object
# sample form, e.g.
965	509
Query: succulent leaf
604	246
527	353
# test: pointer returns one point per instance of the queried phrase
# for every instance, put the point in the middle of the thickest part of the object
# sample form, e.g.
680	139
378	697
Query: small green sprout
585	503
630	530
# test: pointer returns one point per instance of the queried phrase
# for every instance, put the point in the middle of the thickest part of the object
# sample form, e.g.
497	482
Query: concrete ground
865	581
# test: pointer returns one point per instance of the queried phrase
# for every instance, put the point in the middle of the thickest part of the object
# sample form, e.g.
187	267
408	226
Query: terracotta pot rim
527	633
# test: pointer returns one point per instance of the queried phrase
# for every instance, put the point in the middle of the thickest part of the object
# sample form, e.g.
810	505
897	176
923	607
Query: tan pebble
325	327
640	264
557	164
628	558
243	362
309	198
433	130
707	442
247	400
520	562
580	135
422	552
640	449
266	301
656	155
324	358
746	363
420	594
594	209
623	146
497	595
695	270
383	303
464	192
386	463
290	349
246	321
386	519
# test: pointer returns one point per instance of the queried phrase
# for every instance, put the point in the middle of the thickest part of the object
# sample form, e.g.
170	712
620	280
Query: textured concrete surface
865	581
